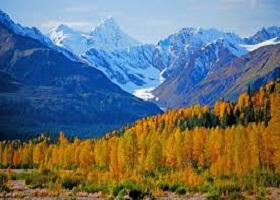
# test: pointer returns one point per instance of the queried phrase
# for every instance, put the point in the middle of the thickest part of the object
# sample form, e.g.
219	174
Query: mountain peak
64	28
108	35
6	20
109	20
266	33
4	15
23	31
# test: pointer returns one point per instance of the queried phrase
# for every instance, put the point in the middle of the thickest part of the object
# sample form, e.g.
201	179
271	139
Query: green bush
229	189
121	194
3	182
235	196
261	193
116	190
69	183
38	180
91	188
269	179
129	185
175	186
180	191
164	186
213	194
3	179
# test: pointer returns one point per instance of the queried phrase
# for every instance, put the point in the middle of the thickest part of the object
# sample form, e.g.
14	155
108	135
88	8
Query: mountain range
168	72
88	83
46	88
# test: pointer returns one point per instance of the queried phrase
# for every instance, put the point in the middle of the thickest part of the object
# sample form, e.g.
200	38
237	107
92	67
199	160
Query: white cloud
81	25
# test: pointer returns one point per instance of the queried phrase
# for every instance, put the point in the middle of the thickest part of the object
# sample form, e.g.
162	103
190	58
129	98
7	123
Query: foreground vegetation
230	152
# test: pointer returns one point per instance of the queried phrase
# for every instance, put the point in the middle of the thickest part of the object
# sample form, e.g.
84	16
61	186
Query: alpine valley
88	83
97	114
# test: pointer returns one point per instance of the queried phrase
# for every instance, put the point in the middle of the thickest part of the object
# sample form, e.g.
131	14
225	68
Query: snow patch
161	78
262	44
145	94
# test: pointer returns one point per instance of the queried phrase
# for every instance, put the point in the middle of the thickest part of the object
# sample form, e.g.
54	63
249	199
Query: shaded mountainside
45	91
226	79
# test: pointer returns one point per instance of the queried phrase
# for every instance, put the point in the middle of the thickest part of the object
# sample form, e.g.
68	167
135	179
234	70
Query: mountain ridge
141	76
46	91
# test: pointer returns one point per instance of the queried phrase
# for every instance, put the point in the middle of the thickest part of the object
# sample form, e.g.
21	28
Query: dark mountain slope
44	91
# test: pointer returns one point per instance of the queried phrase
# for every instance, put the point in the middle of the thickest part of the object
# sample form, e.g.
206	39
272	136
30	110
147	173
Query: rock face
194	55
227	81
43	90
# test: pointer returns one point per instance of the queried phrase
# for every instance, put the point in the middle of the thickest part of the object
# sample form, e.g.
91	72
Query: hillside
231	151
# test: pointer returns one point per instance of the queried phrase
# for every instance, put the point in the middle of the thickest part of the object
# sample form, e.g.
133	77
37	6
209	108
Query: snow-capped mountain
109	36
193	55
105	36
73	40
171	67
33	33
132	67
23	31
52	92
180	47
108	48
263	35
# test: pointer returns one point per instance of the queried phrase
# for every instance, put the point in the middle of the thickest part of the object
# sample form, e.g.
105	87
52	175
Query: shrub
210	179
3	179
39	180
180	191
261	193
121	194
116	190
164	186
235	196
128	185
268	179
3	182
136	194
214	195
91	188
229	189
175	186
69	183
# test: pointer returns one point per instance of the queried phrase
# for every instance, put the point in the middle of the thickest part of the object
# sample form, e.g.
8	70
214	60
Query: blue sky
147	20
